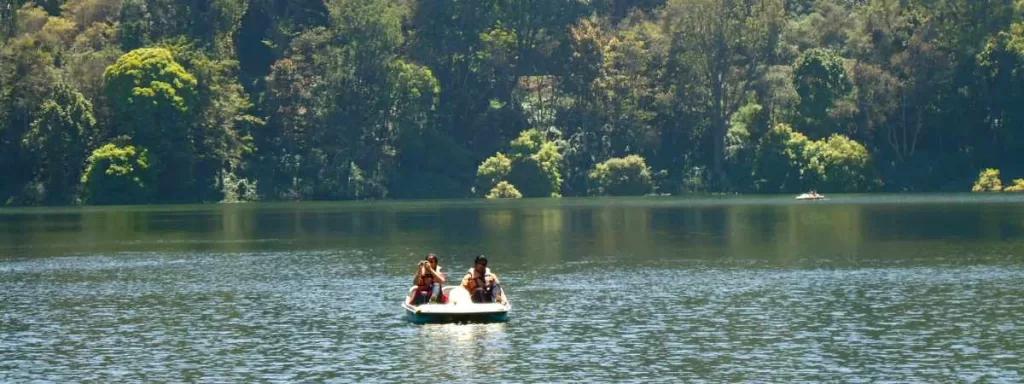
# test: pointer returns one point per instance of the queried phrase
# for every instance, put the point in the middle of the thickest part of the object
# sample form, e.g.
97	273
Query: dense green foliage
1018	186
119	175
989	181
819	79
152	96
60	131
504	190
533	169
493	171
343	99
628	176
788	160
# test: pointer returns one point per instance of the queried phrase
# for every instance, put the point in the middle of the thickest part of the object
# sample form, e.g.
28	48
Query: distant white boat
810	196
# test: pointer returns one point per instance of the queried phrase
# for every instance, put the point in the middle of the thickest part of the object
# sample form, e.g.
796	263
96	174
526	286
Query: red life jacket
423	287
427	290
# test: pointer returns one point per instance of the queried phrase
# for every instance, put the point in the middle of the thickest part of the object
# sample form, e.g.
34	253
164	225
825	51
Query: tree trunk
718	131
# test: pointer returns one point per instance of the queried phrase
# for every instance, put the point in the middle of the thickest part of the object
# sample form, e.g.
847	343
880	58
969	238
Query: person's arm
438	275
419	272
466	279
501	291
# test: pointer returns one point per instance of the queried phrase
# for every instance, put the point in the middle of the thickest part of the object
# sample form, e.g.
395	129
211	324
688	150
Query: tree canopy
191	101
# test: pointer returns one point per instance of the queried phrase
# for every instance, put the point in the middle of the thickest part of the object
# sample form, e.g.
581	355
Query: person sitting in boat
424	290
429	278
430	265
483	286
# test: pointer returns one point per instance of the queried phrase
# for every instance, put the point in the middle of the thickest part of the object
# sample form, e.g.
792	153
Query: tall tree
154	98
473	58
60	135
582	56
28	72
724	40
265	31
820	79
1001	90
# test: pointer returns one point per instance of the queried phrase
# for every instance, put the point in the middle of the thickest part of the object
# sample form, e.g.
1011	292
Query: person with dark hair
428	279
424	290
483	286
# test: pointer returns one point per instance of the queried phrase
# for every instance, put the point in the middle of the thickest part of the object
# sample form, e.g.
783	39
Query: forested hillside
159	101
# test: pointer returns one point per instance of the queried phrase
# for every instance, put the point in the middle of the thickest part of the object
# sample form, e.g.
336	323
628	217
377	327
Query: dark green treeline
152	101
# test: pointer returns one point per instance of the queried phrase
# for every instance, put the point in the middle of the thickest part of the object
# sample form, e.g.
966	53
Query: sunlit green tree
120	174
154	99
623	176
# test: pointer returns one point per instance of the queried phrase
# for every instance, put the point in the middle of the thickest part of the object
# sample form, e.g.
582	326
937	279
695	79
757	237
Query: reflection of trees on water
622	231
533	236
762	232
553	235
527	233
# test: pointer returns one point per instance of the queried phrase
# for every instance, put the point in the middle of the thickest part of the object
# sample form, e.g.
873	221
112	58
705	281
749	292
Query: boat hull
441	315
459	309
810	197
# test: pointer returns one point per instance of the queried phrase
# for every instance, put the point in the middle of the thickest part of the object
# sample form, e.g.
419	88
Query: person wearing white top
429	268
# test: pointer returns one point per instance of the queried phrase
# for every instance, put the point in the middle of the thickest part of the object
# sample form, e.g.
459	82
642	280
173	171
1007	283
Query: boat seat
445	299
458	295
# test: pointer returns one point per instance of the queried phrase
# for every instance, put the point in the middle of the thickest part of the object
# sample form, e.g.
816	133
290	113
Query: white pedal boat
459	309
808	196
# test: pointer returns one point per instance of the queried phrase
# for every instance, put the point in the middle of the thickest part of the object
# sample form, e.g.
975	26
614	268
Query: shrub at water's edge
787	161
119	175
626	176
988	181
534	165
1018	186
538	174
492	171
504	190
847	166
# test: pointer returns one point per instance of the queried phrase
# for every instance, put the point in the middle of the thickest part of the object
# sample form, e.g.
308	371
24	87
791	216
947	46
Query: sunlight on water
751	293
240	318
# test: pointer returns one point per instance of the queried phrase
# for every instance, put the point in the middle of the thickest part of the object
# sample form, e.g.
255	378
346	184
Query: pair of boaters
482	285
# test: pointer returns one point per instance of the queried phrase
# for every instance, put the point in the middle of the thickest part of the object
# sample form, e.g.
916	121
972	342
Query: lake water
868	288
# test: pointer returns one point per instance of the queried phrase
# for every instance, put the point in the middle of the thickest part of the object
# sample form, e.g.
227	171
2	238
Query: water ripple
333	317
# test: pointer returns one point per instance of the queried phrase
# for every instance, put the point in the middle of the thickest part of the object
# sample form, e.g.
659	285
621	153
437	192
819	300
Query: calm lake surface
866	288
